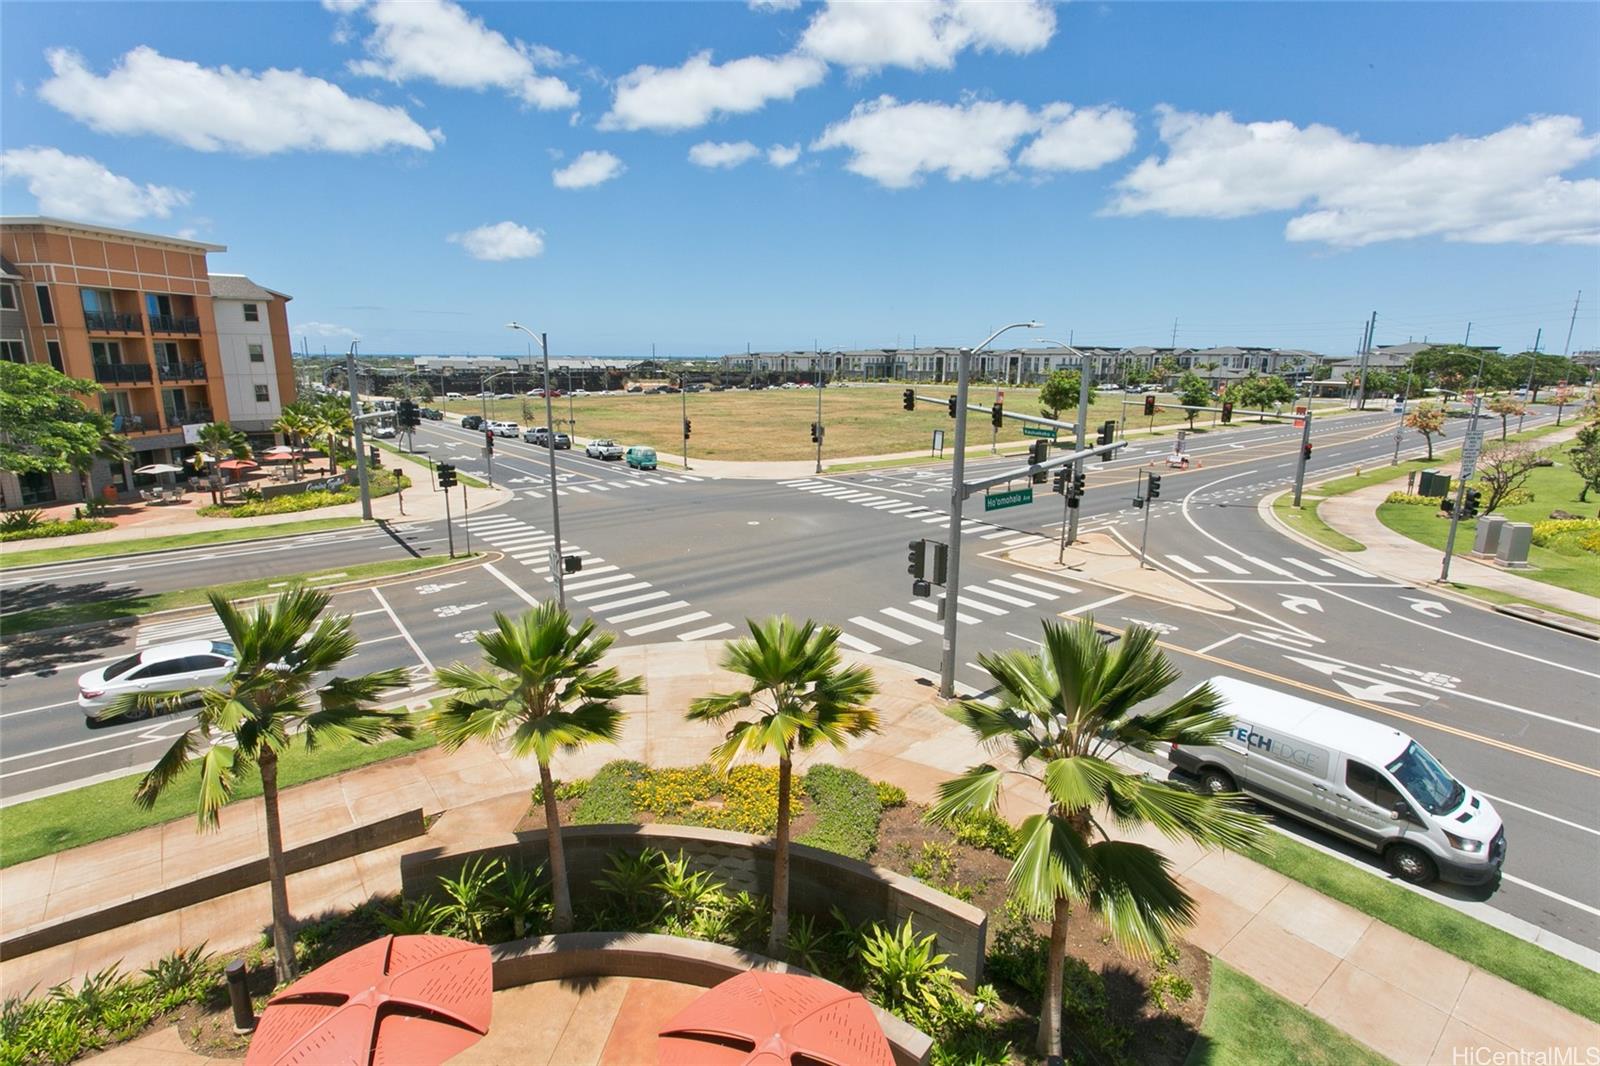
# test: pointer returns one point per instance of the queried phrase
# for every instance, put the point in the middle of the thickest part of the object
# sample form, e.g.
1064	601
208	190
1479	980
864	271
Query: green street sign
1015	498
1048	432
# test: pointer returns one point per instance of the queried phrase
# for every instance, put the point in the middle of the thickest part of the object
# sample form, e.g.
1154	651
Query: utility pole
958	492
1366	356
816	383
1466	342
1566	348
1461	489
1533	362
1174	333
354	387
1305	445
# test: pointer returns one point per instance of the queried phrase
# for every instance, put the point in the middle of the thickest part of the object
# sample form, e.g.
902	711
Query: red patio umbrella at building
412	1000
766	1019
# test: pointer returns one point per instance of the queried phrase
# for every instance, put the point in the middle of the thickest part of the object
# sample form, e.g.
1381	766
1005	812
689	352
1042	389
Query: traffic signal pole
354	388
1461	491
1144	537
1305	453
958	494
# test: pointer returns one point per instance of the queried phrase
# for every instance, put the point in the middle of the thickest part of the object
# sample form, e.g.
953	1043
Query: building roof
239	287
90	229
8	271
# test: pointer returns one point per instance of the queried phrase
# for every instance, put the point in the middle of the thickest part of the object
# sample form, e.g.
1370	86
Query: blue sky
851	175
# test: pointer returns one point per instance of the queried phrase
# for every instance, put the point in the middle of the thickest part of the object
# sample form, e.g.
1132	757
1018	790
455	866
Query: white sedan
188	664
603	449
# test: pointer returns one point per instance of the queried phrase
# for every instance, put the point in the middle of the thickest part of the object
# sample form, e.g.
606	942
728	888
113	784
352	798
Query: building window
54	348
8	298
108	353
262	396
37	487
11	352
257	355
47	310
252	313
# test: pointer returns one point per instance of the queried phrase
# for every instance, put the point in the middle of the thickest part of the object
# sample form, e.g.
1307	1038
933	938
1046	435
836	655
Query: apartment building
136	313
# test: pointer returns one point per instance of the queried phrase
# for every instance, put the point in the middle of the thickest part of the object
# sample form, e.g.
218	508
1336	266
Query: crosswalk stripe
692	477
866	647
1356	570
1308	568
1025	589
918	512
520	540
1081	608
912	620
607	604
1187	565
1001	596
501	520
1230	567
646	612
669	623
574	488
888	504
937	518
674	480
615	591
599	487
1042	583
696	634
998	534
1271	569
933	608
902	508
986	608
889	631
796	484
1029	539
640	483
584	582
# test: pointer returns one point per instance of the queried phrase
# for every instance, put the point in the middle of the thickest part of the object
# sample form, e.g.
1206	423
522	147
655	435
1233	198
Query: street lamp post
558	569
1082	429
958	493
351	382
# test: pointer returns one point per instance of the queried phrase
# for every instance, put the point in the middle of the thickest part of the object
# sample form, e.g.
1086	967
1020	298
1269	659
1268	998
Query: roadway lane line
692	616
1568	900
1541	814
1097	603
422	656
1226	565
512	585
41	707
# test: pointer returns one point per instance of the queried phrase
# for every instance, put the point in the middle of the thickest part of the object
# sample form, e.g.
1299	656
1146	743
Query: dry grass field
772	424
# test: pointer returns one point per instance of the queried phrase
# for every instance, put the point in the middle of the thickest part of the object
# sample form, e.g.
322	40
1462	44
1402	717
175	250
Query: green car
641	458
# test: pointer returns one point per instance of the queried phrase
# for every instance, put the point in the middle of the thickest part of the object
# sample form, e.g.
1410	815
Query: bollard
244	1014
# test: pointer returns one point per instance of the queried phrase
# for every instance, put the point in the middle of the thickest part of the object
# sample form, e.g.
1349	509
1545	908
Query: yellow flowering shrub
745	799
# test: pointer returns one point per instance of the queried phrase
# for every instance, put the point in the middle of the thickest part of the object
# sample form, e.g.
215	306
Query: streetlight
483	390
958	492
1083	427
353	383
550	442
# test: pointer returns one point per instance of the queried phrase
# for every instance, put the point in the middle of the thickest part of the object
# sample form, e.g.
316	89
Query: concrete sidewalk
1404	998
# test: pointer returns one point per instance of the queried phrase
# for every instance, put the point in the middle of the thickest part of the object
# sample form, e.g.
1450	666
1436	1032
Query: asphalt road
1512	708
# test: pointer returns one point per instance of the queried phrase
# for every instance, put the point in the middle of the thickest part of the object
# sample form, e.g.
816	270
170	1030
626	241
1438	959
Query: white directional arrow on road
1361	687
1300	604
1431	608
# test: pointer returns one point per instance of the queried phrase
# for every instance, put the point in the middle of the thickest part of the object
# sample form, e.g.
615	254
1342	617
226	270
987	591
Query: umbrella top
765	1019
416	1000
237	464
158	468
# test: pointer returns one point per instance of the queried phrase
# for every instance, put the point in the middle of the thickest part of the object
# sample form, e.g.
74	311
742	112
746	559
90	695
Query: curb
112	544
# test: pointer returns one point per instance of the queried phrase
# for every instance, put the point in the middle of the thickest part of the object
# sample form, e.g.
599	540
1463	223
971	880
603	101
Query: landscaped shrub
986	830
745	799
61	528
848	811
301	501
1412	500
20	521
1583	533
890	796
609	795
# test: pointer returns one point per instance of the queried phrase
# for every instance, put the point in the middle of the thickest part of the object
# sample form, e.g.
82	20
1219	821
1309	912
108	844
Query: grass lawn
775	424
1496	596
1305	520
100	811
1247	1025
128	605
1491	950
1553	487
14	557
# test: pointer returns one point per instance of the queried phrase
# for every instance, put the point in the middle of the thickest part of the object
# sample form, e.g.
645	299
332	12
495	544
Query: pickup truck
603	449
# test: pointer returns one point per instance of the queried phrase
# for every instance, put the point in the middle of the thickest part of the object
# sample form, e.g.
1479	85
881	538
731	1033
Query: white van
1361	780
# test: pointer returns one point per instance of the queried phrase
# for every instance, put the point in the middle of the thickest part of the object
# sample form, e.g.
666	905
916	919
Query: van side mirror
1400	812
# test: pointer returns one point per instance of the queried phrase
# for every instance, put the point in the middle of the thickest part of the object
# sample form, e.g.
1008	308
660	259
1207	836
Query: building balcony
122	373
183	371
132	423
192	416
113	322
174	324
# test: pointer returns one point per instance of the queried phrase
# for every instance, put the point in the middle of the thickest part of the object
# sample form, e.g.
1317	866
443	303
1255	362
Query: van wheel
1411	864
1216	781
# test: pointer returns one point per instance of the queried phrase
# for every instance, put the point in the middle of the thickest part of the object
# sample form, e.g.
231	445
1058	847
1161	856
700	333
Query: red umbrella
769	1019
415	1000
237	464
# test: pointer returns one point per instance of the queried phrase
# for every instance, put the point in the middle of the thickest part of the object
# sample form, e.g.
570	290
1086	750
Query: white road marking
1098	603
912	620
585	583
646	612
1568	900
1186	564
1226	565
627	601
877	627
1029	539
1268	567
998	535
512	585
1002	597
1356	570
1026	590
1531	810
422	656
620	590
986	608
933	608
1042	583
697	634
1307	567
693	616
858	644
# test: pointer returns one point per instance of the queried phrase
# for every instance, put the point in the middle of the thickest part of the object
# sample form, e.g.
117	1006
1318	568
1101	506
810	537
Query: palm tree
1063	713
802	696
296	423
543	693
248	718
108	445
333	422
221	439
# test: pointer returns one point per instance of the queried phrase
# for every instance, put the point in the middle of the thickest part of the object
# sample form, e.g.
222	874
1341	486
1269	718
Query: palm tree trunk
277	876
560	894
1049	1043
778	940
333	462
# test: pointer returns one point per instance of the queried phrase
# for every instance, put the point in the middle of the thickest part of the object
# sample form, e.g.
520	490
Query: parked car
1361	780
536	434
562	441
158	668
603	449
471	421
580	392
641	458
383	431
505	396
432	414
535	392
504	429
452	396
635	388
1109	386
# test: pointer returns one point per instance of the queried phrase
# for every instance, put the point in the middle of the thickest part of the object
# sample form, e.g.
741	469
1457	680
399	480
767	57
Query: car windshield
1420	774
222	648
117	669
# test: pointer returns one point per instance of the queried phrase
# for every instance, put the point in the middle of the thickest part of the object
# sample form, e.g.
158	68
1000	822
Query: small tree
1505	470
1193	392
1427	419
1561	397
1059	390
44	429
1585	459
1505	405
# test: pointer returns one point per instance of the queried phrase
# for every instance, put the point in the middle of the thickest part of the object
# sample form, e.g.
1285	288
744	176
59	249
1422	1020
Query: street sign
1299	417
1471	445
938	441
1048	432
1015	498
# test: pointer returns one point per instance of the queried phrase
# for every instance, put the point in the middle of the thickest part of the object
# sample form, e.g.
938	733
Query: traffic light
1059	486
488	441
952	407
941	562
1108	433
374	457
1153	488
908	399
687	426
571	564
1470	502
996	417
1078	481
447	475
915	565
1038	452
1307	451
1149	403
1227	411
816	433
406	415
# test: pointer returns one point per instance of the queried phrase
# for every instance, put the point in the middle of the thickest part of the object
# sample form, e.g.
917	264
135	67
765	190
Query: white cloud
918	34
774	5
75	186
223	109
325	329
897	144
783	155
1502	187
681	98
1080	138
724	154
590	168
436	40
501	241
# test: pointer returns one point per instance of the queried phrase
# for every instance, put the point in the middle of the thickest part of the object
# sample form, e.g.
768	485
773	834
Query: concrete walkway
1404	998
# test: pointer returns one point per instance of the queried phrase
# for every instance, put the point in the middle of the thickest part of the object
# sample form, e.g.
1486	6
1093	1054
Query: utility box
1487	540
1515	539
1434	484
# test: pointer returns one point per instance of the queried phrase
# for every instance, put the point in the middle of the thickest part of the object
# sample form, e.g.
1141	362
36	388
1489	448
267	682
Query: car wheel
1216	782
1410	864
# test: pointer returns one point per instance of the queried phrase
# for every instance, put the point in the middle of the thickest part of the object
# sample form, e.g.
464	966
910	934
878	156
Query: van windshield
1420	774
